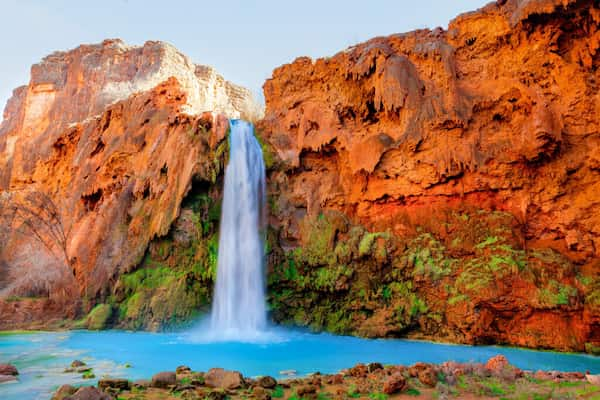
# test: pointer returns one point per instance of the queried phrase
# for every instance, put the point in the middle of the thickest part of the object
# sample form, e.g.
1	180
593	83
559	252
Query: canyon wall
97	155
444	183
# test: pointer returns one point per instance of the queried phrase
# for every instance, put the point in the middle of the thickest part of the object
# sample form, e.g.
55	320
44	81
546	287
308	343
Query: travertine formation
96	155
494	119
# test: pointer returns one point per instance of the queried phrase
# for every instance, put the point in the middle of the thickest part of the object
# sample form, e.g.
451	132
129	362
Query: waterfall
239	310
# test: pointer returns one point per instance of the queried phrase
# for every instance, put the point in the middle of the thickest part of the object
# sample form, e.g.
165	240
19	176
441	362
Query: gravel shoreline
495	379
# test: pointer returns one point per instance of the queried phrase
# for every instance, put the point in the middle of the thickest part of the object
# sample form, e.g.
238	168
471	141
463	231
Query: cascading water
239	311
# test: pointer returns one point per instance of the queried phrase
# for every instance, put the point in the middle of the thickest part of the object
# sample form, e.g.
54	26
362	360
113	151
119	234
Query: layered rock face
97	154
444	183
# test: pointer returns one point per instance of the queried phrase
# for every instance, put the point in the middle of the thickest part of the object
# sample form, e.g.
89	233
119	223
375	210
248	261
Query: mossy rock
99	317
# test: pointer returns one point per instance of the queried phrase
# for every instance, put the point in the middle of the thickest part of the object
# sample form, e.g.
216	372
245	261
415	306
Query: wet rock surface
8	369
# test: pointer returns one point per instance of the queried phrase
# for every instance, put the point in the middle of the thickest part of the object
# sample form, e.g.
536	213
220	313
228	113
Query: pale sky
243	40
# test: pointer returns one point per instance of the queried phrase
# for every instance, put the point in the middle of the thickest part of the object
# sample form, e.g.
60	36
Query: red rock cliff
500	114
96	156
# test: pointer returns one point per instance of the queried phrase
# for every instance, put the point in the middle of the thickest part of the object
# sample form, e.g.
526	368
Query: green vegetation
413	392
488	241
173	282
427	256
88	375
592	349
378	396
353	392
269	155
556	294
323	396
277	392
346	279
99	317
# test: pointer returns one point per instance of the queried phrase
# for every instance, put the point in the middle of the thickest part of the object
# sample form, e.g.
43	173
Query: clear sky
244	40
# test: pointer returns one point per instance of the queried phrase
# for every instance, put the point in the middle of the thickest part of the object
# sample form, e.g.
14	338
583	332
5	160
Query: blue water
42	357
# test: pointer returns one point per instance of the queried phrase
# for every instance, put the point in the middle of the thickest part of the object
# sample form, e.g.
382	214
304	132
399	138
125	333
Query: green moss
88	375
458	299
556	294
418	307
592	297
319	236
269	155
99	317
592	349
339	321
488	241
428	257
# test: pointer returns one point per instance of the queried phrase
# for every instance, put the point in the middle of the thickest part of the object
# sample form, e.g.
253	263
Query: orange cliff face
498	115
97	153
500	111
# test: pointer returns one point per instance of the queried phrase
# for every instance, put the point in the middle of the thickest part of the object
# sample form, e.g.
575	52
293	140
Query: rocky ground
495	379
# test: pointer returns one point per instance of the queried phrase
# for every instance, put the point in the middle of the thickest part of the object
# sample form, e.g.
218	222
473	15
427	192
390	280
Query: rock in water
8	369
63	391
8	378
77	364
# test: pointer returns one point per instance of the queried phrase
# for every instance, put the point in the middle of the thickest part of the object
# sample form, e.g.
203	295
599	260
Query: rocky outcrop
443	183
97	154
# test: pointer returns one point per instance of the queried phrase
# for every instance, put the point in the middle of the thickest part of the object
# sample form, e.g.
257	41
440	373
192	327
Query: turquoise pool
42	357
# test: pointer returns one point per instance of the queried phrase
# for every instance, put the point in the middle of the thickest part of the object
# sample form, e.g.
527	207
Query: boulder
266	382
259	393
372	367
8	369
182	369
222	379
395	383
89	393
427	376
497	363
164	379
542	375
358	371
306	390
141	383
115	383
336	379
77	364
63	391
593	379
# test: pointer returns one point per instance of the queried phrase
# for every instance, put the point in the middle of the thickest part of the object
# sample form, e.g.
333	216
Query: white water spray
239	311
